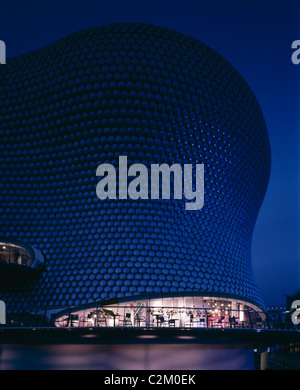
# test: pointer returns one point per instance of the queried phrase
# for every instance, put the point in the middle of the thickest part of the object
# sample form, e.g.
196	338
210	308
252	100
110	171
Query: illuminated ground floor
191	311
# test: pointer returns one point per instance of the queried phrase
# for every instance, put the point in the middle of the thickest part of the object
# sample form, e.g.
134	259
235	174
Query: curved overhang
251	303
19	261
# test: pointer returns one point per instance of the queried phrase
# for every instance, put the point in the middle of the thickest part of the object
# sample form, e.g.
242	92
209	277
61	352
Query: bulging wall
155	96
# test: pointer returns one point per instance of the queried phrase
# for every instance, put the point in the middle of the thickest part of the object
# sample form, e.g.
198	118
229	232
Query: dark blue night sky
256	37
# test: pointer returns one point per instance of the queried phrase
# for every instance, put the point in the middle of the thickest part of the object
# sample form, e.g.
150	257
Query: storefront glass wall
168	312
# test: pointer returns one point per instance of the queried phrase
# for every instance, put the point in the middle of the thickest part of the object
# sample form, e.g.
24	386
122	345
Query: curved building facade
155	96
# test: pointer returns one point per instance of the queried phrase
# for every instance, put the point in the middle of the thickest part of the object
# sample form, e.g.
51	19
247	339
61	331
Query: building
155	96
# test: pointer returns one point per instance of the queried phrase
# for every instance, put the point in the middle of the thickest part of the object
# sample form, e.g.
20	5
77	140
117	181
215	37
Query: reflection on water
124	357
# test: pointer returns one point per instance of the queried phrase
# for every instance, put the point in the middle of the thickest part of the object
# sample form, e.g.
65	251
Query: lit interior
181	312
11	253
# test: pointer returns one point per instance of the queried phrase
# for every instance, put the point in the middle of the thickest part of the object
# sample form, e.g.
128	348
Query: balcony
18	262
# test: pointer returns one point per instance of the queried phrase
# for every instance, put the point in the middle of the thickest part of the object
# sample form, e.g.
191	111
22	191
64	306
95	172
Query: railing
146	317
